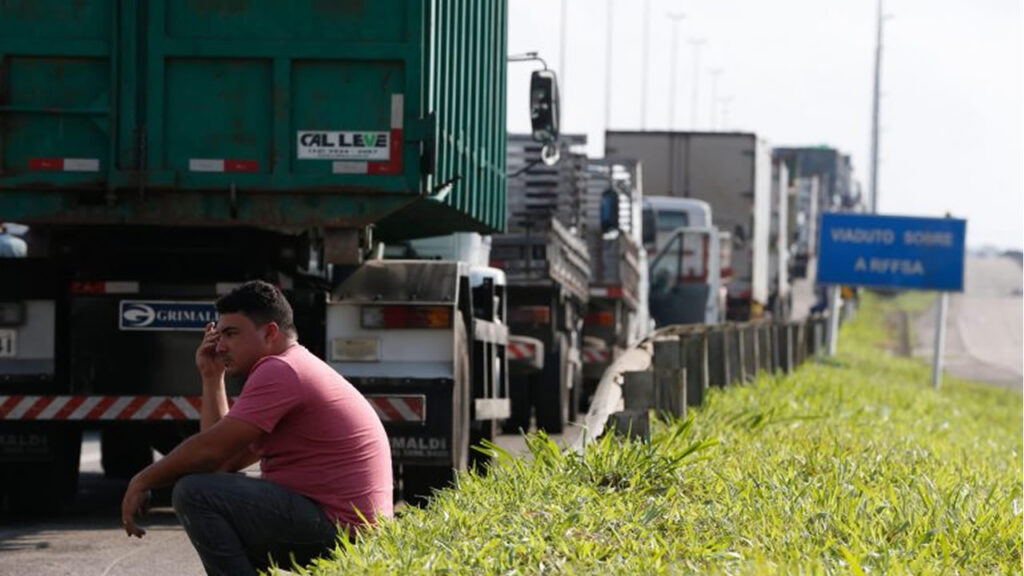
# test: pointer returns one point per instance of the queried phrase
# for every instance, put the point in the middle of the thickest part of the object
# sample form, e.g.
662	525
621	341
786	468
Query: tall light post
646	64
608	68
563	28
676	19
876	96
715	73
697	44
726	100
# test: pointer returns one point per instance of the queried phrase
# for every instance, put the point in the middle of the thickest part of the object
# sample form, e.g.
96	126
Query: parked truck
780	302
617	312
731	171
689	261
163	152
545	259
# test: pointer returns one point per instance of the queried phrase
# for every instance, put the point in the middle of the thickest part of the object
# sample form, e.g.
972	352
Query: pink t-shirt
323	440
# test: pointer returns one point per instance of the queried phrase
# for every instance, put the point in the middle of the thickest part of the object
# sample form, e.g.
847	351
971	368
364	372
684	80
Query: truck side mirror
609	211
650	227
544	111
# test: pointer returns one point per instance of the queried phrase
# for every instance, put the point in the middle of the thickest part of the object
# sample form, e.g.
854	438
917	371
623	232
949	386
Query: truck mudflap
418	417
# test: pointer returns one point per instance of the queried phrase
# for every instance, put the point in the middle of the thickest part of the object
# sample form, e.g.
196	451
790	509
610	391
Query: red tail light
600	319
408	317
529	315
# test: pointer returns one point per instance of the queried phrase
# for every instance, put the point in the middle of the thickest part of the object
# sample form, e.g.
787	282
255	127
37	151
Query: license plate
8	343
355	350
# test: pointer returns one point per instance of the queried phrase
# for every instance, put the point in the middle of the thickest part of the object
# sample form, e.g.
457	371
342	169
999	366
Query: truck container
780	301
548	268
837	188
732	172
163	152
805	233
616	316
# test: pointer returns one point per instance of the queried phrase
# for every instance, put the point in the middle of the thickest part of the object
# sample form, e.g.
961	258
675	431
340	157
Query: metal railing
672	369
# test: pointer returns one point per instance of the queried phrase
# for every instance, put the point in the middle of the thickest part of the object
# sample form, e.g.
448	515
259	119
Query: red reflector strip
600	319
64	164
399	408
521	351
223	165
241	166
596	355
104	408
409	317
104	287
393	166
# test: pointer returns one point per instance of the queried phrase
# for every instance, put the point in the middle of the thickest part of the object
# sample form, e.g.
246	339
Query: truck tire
553	393
419	482
44	488
123	452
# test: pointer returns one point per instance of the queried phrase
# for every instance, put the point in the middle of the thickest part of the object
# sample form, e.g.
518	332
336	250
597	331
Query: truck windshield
670	220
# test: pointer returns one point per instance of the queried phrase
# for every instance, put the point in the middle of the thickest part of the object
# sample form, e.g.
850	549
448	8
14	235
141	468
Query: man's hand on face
134	505
207	361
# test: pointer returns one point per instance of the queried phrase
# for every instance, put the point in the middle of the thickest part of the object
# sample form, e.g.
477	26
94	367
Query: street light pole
875	112
715	73
563	28
608	68
726	100
697	43
676	19
647	54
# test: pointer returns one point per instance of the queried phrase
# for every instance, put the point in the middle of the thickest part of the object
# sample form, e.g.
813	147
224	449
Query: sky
800	72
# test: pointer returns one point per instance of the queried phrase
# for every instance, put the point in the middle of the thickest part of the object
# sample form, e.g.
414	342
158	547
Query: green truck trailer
162	152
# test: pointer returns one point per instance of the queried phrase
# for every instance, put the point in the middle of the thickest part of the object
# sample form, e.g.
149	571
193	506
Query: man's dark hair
260	302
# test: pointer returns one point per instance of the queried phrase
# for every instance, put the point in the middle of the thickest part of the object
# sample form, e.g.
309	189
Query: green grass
853	467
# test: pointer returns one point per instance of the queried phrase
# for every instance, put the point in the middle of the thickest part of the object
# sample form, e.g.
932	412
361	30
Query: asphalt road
88	539
984	325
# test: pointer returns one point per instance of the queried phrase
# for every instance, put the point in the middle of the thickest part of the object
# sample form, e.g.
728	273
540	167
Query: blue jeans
238	524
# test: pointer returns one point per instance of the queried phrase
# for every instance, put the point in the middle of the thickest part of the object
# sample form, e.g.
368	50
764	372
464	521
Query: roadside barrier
672	369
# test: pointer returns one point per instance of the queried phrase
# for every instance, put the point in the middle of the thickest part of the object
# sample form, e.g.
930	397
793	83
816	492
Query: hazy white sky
799	72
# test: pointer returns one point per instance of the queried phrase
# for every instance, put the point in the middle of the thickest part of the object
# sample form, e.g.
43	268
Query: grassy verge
855	466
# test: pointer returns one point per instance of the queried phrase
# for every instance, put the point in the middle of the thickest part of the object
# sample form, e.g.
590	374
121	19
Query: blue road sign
892	252
160	315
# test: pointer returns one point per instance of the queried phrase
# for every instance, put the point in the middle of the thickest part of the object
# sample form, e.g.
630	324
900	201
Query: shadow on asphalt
96	507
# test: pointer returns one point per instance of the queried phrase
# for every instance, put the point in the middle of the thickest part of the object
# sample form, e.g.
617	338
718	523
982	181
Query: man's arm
209	451
215	402
215	399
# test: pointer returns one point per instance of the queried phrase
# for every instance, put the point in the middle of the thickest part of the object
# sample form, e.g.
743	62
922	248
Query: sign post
834	307
940	340
895	252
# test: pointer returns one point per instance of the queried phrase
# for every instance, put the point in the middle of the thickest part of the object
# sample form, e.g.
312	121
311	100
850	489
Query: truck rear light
104	287
529	315
12	313
600	319
407	317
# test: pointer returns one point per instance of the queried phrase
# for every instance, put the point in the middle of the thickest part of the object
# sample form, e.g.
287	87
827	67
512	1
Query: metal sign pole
833	319
940	339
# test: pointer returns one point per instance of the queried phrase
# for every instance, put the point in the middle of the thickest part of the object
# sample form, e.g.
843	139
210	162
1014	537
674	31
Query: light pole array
676	19
697	43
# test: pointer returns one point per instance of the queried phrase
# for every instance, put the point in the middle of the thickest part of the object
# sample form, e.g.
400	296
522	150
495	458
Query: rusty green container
290	115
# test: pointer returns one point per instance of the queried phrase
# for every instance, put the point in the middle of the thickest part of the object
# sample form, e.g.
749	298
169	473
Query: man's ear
273	330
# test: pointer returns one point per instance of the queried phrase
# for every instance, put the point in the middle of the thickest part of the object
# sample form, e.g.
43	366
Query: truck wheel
123	453
33	488
553	394
419	482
